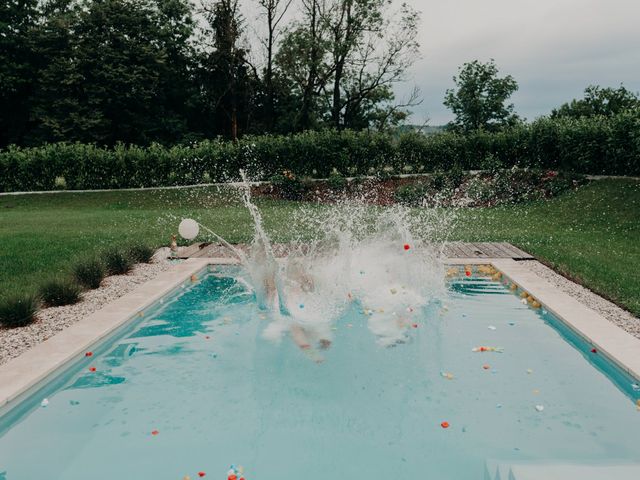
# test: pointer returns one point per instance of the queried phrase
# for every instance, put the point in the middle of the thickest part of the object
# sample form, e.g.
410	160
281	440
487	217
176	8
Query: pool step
500	471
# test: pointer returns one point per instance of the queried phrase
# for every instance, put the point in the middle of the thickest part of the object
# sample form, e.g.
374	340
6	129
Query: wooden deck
451	250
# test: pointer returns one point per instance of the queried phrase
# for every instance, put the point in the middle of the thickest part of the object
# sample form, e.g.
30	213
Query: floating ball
486	367
88	354
154	432
201	474
92	369
593	350
467	273
444	424
406	246
188	229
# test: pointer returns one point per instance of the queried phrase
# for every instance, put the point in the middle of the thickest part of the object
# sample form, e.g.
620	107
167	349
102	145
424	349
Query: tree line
170	71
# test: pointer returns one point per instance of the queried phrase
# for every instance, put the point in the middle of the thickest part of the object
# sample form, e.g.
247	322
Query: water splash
385	263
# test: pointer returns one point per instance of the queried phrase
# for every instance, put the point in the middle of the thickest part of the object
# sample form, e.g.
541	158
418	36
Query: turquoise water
197	370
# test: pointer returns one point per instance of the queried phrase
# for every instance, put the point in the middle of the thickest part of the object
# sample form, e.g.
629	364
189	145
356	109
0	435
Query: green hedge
597	145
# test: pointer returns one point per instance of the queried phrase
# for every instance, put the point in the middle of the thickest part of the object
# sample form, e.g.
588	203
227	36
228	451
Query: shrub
141	253
289	185
118	261
89	273
336	181
56	293
19	310
412	195
594	145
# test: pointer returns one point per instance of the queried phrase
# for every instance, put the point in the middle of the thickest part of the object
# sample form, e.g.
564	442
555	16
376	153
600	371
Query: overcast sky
553	48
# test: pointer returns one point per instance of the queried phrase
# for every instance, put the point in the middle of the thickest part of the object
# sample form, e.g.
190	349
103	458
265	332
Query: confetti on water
487	349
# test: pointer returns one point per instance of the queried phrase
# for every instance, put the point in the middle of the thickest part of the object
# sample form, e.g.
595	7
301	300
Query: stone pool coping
22	375
621	348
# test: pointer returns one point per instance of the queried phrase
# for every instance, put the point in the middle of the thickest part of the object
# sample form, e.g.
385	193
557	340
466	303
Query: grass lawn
592	235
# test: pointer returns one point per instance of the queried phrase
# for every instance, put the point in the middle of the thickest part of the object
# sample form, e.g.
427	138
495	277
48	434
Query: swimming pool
192	386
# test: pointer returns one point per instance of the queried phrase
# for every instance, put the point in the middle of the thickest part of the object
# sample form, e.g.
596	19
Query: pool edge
25	372
619	346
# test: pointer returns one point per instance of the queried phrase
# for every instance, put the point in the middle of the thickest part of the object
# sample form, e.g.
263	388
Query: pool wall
43	364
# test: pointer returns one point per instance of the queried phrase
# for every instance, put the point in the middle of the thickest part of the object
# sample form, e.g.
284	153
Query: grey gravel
14	341
607	309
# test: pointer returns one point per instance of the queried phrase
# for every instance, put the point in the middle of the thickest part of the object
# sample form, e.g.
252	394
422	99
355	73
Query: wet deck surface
452	250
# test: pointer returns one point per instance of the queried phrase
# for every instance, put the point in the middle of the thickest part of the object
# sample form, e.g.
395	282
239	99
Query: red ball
444	424
407	246
88	354
92	369
467	273
593	350
201	474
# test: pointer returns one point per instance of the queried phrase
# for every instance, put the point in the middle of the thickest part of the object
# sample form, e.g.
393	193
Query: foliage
599	101
413	195
479	99
117	261
288	185
589	145
89	272
490	188
336	181
141	253
171	71
58	292
18	310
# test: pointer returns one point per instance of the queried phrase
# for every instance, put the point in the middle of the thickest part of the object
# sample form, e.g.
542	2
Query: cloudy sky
553	48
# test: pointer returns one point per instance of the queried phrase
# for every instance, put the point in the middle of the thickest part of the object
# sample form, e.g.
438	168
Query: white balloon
188	229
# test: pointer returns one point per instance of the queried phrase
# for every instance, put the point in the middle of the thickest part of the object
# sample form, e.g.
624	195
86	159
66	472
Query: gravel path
607	309
14	341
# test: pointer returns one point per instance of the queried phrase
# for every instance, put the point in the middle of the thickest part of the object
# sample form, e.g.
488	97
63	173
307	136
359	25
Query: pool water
193	386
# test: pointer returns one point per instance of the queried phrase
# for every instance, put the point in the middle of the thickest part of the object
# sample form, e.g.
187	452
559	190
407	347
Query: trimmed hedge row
597	145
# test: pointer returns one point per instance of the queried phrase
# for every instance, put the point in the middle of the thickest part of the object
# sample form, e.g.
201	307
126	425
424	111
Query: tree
112	71
345	56
18	64
599	101
274	12
301	59
479	99
224	71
